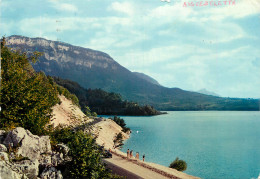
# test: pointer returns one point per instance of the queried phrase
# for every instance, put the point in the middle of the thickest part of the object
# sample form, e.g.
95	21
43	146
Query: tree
179	165
118	140
27	97
89	113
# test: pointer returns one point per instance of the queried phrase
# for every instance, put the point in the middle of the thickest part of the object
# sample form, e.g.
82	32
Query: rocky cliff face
90	68
63	53
24	155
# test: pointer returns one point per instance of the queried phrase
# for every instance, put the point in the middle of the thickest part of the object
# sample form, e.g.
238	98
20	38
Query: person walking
143	157
137	155
131	153
127	153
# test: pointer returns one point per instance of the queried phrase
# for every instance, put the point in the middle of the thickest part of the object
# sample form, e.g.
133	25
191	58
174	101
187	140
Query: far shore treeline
105	103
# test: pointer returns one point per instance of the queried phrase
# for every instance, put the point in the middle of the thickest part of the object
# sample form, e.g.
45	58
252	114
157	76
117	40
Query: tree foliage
86	158
26	96
67	94
179	165
121	123
88	112
118	140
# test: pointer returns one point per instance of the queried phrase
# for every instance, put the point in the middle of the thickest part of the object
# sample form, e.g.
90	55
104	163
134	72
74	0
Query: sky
189	47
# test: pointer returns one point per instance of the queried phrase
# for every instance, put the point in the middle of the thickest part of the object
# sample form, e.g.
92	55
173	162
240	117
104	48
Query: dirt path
131	170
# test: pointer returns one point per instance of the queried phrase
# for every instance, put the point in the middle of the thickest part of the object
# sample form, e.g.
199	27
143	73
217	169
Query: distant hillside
104	103
95	69
205	91
147	78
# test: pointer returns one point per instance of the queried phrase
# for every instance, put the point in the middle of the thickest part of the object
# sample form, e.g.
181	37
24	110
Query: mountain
147	78
205	91
94	69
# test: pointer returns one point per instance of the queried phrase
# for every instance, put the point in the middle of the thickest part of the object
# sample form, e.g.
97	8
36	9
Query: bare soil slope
67	113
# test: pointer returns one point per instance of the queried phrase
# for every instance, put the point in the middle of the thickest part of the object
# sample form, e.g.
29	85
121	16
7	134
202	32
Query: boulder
27	144
45	159
4	156
63	149
7	172
28	167
56	159
51	173
3	148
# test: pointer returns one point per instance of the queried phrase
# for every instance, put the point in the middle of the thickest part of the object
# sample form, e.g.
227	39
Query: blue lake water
214	144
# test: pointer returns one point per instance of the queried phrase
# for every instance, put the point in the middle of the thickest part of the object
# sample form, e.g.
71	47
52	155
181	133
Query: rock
4	156
2	135
28	145
63	149
56	159
45	159
44	144
38	152
6	172
12	156
3	148
51	173
28	167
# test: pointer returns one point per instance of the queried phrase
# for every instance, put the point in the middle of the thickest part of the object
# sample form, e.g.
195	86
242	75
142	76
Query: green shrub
179	165
67	94
86	159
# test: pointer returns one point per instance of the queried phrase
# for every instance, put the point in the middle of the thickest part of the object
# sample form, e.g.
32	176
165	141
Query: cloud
243	8
68	7
168	13
122	7
218	71
222	32
4	3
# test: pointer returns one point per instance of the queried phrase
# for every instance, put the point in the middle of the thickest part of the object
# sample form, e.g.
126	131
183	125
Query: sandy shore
145	169
106	130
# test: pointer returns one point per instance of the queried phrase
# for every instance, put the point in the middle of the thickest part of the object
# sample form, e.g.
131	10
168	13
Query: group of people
130	154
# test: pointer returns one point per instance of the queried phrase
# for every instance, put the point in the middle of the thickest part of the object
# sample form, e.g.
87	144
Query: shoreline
157	168
107	129
145	165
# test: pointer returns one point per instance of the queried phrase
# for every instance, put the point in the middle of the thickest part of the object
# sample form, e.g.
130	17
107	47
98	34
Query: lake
215	144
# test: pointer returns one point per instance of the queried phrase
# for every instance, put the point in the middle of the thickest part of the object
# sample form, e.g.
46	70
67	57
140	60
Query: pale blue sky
217	48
